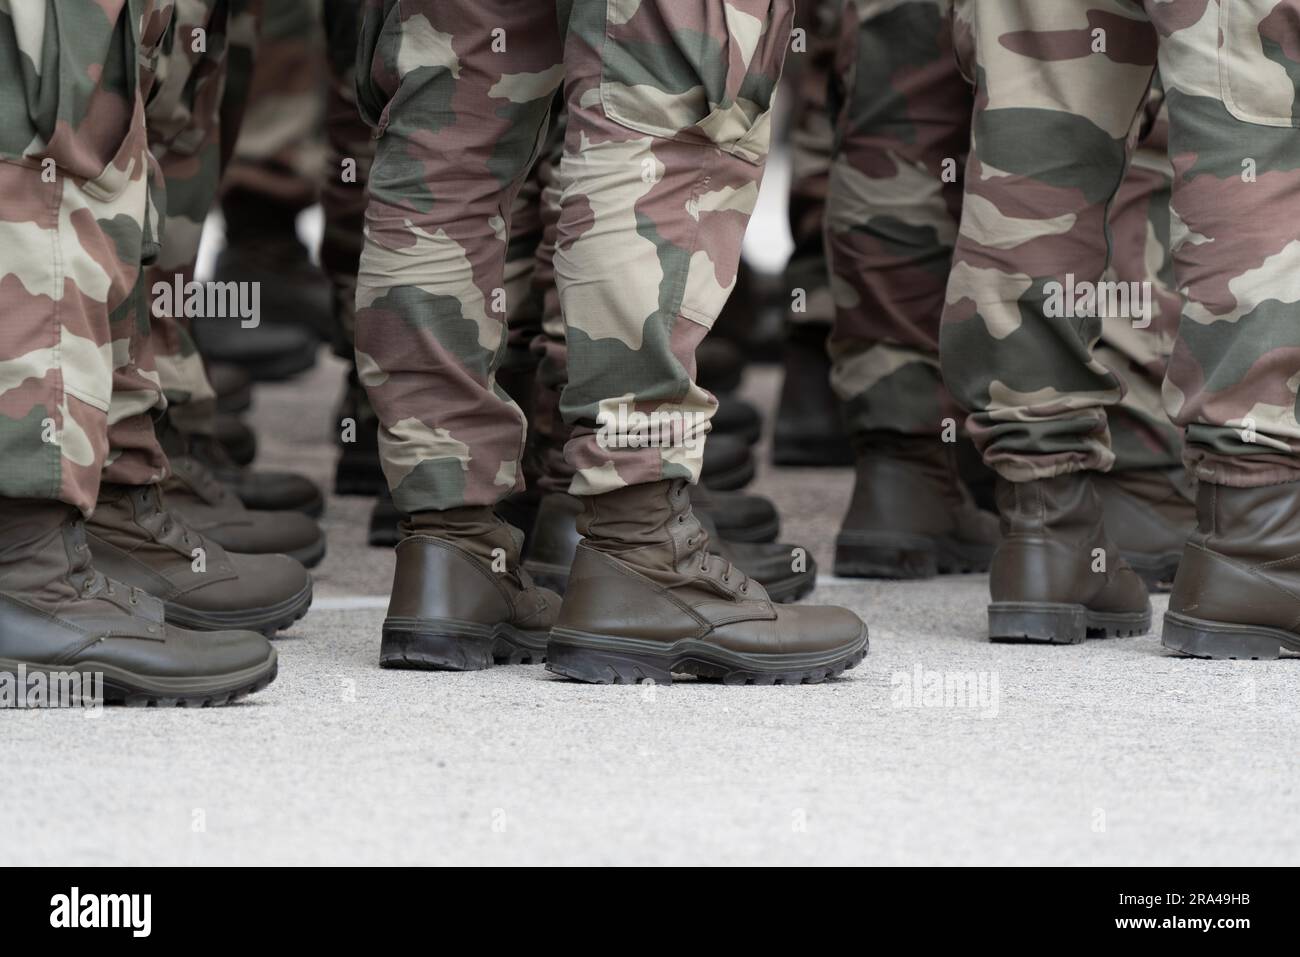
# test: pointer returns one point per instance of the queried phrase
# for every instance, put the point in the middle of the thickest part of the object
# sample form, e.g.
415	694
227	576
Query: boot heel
1030	621
604	667
1212	639
431	651
884	557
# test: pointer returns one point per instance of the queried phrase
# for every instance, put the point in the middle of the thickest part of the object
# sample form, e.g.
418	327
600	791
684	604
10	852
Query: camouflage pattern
280	152
810	69
350	152
1059	88
895	200
77	220
664	150
900	151
186	121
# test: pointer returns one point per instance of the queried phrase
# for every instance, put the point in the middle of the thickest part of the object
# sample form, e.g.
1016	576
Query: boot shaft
43	554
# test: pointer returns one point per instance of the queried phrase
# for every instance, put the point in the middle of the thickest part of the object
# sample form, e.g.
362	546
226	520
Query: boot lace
164	527
698	541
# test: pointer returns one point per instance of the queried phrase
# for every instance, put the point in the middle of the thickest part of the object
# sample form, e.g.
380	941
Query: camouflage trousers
192	120
1058	88
78	217
896	198
810	67
667	135
280	153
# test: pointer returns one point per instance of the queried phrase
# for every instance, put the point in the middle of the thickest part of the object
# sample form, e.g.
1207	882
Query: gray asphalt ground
1109	753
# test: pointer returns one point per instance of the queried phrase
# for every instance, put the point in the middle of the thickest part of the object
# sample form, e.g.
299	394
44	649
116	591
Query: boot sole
730	480
598	659
135	690
1199	638
267	620
459	646
906	557
1061	624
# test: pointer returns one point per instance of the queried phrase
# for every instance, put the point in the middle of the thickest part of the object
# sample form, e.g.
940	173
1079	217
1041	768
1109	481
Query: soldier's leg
1230	74
134	535
668	132
76	226
894	203
459	94
809	429
1147	497
276	152
1057	90
748	519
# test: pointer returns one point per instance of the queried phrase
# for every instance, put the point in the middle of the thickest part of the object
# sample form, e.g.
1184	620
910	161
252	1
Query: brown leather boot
786	572
137	540
910	515
1237	594
1056	576
211	508
60	616
1150	513
460	600
647	599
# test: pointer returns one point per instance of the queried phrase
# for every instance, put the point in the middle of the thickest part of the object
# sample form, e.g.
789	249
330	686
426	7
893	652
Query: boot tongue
159	522
653	528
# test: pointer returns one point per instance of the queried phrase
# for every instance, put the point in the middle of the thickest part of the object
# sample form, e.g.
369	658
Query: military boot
719	366
809	428
1237	592
460	600
911	516
739	517
358	471
262	491
1150	513
135	539
735	416
236	436
1056	576
787	572
60	615
646	599
211	508
233	386
728	463
262	246
268	352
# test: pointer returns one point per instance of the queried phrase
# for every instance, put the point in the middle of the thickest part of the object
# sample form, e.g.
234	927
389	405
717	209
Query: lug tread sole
449	649
610	661
1062	623
1200	638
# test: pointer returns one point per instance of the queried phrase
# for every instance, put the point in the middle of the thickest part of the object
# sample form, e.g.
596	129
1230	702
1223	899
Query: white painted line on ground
351	603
